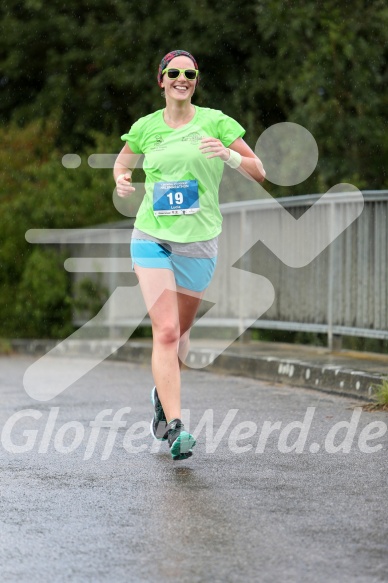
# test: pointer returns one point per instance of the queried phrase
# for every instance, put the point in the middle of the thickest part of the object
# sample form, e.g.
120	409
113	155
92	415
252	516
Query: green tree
43	303
328	72
323	65
38	192
74	77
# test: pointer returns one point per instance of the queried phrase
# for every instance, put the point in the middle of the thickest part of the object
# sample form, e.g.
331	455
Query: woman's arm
122	172
251	166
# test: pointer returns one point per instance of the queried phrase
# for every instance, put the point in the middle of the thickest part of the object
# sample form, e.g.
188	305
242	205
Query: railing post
330	286
244	335
112	284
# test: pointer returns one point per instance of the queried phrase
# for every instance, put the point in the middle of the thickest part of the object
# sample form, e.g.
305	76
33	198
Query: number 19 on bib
176	198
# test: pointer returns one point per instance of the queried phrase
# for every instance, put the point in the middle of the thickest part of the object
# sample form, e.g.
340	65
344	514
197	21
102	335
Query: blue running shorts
193	273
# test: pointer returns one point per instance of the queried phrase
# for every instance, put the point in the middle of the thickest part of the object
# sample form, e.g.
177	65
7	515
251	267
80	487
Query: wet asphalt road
225	515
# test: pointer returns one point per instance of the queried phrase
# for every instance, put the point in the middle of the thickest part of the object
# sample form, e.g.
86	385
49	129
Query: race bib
176	198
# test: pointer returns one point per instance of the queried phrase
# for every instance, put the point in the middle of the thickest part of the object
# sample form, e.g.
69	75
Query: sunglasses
190	74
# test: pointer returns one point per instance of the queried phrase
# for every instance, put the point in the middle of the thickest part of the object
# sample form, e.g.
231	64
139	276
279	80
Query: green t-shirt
174	155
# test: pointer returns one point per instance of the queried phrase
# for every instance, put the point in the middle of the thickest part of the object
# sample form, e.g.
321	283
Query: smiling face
180	89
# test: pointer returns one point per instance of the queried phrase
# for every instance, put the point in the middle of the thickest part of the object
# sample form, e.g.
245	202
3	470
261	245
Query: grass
381	396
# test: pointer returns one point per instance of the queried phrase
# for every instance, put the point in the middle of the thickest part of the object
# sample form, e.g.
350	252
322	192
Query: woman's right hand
123	185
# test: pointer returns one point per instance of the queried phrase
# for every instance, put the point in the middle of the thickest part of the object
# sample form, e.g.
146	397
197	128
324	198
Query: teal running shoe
159	421
180	441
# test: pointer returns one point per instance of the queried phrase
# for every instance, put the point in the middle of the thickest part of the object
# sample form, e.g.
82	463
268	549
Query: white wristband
234	159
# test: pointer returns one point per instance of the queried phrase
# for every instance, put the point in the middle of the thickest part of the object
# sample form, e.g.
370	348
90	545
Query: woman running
174	241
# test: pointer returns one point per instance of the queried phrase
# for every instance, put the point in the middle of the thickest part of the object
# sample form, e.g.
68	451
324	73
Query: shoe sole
181	449
152	420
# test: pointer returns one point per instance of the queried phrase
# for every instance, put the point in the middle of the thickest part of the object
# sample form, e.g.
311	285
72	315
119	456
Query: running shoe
159	421
180	442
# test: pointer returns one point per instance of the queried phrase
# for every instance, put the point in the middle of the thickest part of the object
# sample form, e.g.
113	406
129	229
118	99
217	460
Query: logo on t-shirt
159	145
193	138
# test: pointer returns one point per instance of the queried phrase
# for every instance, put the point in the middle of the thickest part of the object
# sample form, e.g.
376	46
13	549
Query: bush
37	191
43	301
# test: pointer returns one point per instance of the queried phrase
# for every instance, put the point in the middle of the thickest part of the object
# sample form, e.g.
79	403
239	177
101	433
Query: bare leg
159	293
188	304
172	315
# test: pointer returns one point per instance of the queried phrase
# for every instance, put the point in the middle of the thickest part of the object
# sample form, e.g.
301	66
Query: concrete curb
328	378
325	377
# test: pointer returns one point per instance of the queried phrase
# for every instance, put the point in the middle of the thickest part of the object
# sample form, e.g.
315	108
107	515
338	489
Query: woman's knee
166	334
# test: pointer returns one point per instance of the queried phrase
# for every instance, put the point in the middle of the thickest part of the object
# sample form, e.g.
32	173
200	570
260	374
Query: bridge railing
343	291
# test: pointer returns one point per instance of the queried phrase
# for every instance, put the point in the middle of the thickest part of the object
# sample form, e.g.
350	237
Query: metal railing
343	291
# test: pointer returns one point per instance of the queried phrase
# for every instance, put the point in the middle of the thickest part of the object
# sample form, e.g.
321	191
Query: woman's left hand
215	147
